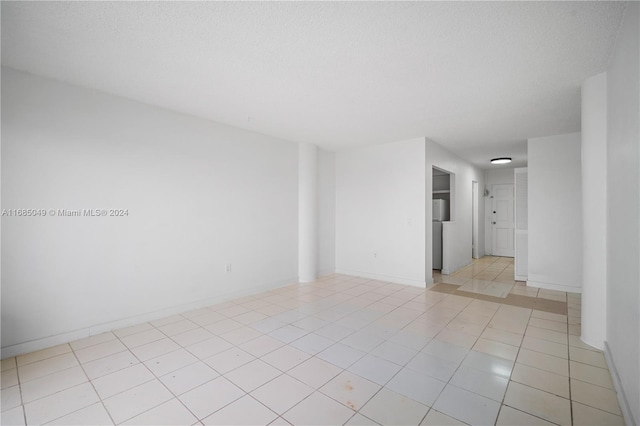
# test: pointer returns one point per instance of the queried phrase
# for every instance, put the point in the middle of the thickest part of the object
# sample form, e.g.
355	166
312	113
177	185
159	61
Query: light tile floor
342	350
494	276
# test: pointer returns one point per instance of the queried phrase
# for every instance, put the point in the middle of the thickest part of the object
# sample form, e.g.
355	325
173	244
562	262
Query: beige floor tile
45	367
210	397
496	348
457	338
318	409
261	346
544	362
43	354
587	357
513	339
588	416
94	414
511	417
285	358
359	420
122	332
387	320
590	374
546	347
350	389
60	404
209	347
229	360
314	372
560	327
13	417
574	320
9	378
10	398
436	418
390	408
540	379
110	364
122	380
576	342
595	396
155	349
137	400
544	334
252	375
93	340
142	338
172	412
282	393
507	324
52	383
549	316
244	411
189	377
100	350
192	337
170	362
8	364
538	403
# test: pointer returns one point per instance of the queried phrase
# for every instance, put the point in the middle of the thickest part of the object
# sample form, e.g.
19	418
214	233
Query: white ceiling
477	77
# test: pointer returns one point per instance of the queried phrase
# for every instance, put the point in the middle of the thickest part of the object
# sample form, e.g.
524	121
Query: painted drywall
555	212
494	177
199	195
623	200
457	245
326	215
380	211
594	210
307	207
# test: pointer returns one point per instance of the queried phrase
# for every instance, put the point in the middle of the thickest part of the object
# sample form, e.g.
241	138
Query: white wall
494	177
457	248
380	211
200	195
326	215
307	208
555	213
623	195
594	210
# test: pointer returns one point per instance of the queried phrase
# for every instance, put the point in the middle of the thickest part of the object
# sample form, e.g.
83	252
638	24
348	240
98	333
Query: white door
502	220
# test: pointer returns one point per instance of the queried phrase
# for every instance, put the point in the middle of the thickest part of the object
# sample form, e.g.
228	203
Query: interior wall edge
627	413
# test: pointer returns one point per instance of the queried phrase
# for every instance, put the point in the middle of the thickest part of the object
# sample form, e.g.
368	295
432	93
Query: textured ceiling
477	77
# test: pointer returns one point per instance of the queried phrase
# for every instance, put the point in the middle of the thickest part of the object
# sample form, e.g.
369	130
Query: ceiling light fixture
501	160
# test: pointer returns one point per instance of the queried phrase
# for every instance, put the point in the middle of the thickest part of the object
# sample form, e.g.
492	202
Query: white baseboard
520	277
622	398
325	272
66	337
551	286
380	277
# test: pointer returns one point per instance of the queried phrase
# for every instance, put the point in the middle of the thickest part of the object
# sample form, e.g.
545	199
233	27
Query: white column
307	212
594	210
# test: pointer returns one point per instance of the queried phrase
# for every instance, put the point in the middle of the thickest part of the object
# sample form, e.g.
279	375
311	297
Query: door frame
492	219
474	220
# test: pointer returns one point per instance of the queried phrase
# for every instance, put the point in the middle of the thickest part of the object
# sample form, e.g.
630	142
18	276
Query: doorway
474	220
441	205
502	220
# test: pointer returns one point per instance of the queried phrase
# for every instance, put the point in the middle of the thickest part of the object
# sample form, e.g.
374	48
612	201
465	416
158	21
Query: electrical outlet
228	268
375	255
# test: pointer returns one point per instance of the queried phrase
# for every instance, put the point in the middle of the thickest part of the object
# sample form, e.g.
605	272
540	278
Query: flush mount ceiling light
501	160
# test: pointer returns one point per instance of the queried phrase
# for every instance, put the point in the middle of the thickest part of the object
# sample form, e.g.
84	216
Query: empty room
320	213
